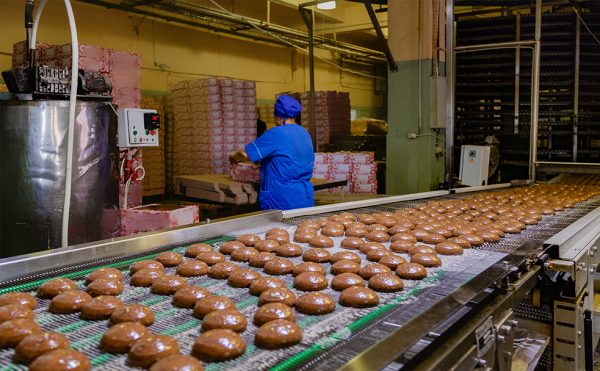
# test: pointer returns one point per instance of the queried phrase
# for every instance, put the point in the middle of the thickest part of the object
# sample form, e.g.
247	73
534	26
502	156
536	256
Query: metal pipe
450	91
307	17
232	23
535	91
506	45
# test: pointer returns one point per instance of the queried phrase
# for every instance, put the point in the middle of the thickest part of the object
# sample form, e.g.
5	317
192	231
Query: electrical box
138	127
474	165
437	101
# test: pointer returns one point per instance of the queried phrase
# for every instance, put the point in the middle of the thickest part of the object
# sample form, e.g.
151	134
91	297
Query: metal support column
535	92
450	91
576	89
307	17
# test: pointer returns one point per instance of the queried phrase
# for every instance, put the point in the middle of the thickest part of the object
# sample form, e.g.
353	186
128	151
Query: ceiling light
328	5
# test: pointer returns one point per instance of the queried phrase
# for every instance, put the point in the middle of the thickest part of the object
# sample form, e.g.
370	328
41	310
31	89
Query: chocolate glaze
304	235
177	362
386	282
243	254
11	311
427	260
211	303
192	268
279	266
401	246
370	270
50	289
448	248
104	273
345	280
230	246
35	345
310	281
19	298
68	302
266	245
317	255
242	277
345	266
411	271
187	296
359	297
308	267
15	330
132	313
222	270
168	284
248	239
120	337
289	250
211	257
273	311
145	264
100	308
263	283
230	319
421	249
278	334
277	295
376	254
356	232
315	303
352	243
219	345
260	259
392	261
105	286
169	258
368	246
61	359
345	255
197	248
321	241
145	277
149	349
377	236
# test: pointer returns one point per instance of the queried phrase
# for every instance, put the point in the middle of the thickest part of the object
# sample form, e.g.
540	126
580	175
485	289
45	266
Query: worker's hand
238	156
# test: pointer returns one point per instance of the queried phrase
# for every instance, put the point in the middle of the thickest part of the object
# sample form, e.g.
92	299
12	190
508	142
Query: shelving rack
493	89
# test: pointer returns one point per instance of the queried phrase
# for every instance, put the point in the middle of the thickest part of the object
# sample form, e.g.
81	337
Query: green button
135	132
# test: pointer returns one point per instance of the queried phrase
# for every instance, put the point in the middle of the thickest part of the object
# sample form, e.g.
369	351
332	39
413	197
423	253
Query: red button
151	132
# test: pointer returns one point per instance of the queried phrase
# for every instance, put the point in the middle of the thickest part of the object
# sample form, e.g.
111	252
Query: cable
71	130
242	18
129	182
586	25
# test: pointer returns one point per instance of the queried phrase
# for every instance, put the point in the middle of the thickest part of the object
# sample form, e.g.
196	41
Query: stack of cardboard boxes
358	168
212	118
153	183
332	114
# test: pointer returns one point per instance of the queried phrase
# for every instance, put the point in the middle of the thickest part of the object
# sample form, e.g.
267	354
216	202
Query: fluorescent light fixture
328	5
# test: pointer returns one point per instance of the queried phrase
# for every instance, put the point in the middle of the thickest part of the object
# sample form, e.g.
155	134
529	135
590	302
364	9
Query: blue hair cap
287	107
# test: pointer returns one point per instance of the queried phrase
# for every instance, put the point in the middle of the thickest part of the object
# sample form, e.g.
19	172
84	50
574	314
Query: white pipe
36	22
71	130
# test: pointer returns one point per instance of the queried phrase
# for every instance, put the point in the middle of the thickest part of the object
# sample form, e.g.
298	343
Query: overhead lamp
328	5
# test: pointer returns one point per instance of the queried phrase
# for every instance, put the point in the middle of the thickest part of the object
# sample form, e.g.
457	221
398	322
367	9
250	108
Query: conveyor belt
329	341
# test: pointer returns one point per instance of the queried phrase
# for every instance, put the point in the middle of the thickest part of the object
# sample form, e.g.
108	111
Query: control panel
138	127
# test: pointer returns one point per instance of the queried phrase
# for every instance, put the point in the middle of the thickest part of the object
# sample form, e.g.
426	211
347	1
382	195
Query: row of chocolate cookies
40	349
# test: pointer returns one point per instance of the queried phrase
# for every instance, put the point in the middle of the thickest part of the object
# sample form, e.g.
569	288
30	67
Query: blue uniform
287	159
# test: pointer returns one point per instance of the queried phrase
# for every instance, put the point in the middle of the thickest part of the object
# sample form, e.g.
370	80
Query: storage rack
491	84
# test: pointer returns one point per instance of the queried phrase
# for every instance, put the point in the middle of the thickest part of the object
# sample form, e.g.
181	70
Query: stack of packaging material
266	114
123	68
332	113
359	168
247	172
154	157
212	118
169	144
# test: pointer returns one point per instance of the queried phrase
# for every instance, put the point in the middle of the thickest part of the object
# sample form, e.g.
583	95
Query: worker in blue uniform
286	157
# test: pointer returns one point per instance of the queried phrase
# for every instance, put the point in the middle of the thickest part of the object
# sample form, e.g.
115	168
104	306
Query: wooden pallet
216	188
